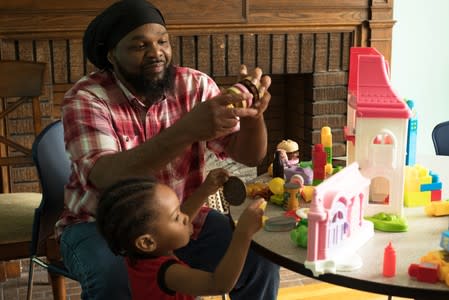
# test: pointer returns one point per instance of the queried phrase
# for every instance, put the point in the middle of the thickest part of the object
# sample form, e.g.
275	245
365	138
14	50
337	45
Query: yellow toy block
307	192
414	199
437	208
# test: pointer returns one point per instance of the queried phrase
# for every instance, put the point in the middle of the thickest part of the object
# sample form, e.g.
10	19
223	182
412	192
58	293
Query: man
140	115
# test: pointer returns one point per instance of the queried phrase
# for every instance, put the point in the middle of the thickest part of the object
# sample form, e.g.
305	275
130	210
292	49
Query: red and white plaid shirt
101	116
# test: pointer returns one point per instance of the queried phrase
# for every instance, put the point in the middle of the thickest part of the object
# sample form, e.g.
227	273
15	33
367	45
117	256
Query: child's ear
146	243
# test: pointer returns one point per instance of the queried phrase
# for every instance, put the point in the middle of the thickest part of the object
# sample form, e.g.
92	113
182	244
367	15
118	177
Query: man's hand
215	118
262	82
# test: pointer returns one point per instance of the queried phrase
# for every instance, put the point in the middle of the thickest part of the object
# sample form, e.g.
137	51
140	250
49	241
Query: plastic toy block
415	176
431	186
424	272
435	176
319	157
437	208
436	195
326	140
414	199
438	257
445	240
410	158
307	193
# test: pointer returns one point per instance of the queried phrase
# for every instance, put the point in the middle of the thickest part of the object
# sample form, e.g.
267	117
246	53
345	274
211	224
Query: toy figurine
291	149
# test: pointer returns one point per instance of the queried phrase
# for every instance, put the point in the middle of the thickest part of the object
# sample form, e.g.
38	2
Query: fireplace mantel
304	45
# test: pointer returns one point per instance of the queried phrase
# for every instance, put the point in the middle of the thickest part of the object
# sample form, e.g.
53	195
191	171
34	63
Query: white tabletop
423	236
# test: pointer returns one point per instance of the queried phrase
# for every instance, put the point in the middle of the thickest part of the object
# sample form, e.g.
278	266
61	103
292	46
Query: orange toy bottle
389	269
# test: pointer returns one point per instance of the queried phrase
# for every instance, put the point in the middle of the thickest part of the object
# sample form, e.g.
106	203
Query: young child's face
172	227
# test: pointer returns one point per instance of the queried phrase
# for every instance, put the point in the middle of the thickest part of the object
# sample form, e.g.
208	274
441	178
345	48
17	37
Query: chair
440	137
53	167
21	82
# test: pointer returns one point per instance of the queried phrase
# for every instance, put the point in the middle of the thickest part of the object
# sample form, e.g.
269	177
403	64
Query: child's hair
124	212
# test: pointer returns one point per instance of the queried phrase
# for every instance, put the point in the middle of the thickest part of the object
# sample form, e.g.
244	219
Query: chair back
21	82
53	167
440	137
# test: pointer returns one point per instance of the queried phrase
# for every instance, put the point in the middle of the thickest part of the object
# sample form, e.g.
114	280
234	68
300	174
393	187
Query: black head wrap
116	21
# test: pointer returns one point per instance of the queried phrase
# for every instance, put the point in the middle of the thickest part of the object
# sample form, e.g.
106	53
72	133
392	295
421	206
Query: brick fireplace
303	45
309	75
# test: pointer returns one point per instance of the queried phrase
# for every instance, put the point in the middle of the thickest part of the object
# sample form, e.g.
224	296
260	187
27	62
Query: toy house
336	227
376	130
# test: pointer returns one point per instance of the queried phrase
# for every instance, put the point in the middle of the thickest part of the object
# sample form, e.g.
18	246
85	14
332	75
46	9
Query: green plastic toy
299	234
388	222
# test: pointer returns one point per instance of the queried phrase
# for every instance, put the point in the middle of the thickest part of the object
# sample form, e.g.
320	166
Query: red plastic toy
389	269
424	272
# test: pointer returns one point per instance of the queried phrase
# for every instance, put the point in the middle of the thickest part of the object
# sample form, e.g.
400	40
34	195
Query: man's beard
151	89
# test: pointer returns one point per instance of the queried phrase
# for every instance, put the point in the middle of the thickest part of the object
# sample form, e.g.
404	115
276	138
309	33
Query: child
144	221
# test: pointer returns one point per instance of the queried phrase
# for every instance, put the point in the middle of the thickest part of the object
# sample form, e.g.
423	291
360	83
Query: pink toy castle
336	228
377	130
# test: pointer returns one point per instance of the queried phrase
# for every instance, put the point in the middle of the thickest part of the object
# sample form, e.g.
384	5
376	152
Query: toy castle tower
376	130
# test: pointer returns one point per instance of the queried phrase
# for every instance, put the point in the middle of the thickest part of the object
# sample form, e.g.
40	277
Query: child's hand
215	179
250	220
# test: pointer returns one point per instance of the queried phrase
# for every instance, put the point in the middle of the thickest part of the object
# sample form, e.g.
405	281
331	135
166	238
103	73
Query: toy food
276	185
234	191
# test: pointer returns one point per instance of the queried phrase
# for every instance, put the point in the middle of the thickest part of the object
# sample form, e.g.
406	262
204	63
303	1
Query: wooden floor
322	291
292	287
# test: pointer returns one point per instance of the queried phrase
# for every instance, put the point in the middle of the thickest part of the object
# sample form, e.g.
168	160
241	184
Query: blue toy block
426	187
445	240
435	176
412	130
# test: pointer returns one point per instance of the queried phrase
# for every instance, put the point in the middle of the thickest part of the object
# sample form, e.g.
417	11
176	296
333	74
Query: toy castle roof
369	89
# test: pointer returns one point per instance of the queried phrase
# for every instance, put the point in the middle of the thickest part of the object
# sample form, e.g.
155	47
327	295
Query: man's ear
110	56
146	243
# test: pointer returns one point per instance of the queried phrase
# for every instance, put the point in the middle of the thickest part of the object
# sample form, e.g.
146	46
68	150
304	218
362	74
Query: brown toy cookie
234	191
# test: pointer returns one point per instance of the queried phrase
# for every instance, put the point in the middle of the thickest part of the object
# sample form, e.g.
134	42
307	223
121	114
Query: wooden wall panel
321	52
188	51
59	61
218	55
292	52
307	52
234	54
204	60
335	50
278	58
248	49
76	60
264	53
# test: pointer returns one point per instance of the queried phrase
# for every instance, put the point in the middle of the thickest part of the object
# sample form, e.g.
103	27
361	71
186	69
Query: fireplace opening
288	113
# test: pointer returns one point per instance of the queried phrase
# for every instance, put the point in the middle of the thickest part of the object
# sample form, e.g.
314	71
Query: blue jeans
103	275
86	255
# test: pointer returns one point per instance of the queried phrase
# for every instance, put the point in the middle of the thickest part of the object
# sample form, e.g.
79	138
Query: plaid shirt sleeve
88	130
